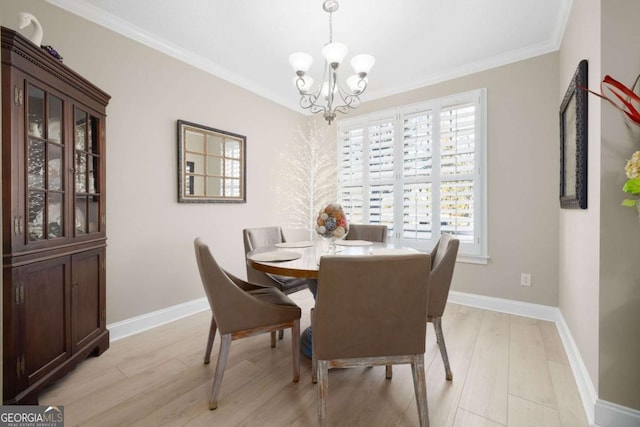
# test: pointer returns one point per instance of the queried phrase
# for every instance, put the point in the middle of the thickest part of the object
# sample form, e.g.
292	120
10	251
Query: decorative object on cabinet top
19	45
26	19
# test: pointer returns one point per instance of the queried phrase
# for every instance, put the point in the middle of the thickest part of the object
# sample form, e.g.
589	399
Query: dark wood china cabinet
53	219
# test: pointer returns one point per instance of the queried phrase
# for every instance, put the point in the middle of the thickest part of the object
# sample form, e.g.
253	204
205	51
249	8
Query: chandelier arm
348	100
349	97
308	102
300	84
333	85
362	86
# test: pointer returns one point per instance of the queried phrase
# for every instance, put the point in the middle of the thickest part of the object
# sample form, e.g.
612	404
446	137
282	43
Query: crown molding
126	29
122	27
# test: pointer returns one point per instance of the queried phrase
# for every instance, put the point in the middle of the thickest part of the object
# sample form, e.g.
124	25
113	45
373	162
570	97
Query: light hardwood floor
507	371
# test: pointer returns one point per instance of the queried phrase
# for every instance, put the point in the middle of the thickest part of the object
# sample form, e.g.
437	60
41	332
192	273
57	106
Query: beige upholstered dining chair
368	232
443	262
241	310
371	310
269	236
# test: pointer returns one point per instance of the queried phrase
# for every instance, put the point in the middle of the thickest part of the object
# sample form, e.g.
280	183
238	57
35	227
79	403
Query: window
420	170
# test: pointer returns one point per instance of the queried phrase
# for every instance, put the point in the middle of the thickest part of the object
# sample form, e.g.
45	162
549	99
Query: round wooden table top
306	266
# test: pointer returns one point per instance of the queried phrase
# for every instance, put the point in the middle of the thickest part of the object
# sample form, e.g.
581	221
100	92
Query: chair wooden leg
437	325
323	390
389	372
281	334
212	335
314	368
225	345
295	348
314	362
273	339
420	386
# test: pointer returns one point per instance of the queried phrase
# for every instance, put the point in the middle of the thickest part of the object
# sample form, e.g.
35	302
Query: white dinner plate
275	256
303	244
392	251
353	243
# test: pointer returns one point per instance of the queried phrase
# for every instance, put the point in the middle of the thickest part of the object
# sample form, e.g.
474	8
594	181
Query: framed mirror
211	165
573	142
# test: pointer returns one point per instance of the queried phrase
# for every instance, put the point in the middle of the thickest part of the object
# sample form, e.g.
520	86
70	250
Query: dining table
302	259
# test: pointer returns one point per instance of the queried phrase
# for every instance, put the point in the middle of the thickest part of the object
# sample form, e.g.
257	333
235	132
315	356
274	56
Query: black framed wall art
573	141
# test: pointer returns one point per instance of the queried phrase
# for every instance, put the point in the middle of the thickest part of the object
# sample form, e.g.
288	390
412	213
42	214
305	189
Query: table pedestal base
306	343
306	347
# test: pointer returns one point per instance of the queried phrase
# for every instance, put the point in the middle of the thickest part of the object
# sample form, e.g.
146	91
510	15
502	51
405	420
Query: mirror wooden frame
229	178
573	141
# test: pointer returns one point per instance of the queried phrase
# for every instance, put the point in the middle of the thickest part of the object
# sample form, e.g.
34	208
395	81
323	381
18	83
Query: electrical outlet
525	279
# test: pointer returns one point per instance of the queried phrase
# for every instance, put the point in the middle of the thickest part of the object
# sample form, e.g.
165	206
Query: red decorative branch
621	97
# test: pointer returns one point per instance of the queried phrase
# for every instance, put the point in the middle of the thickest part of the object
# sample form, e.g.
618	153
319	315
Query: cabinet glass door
86	165
45	165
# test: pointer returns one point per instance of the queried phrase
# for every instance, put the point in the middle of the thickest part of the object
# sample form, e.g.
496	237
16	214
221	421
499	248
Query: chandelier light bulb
334	53
300	62
362	63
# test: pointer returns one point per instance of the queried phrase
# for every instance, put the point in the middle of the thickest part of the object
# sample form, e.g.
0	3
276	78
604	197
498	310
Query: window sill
473	259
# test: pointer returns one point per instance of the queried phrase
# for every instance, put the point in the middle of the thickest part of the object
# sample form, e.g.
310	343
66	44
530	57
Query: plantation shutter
419	170
381	172
417	185
457	165
351	173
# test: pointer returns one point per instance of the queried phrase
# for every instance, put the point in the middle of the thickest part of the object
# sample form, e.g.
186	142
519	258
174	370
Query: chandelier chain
330	27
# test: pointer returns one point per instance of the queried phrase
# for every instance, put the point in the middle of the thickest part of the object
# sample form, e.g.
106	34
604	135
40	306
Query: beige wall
579	231
619	376
599	280
150	261
523	170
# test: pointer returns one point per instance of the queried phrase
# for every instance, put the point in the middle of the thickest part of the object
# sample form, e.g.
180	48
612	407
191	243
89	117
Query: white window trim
479	254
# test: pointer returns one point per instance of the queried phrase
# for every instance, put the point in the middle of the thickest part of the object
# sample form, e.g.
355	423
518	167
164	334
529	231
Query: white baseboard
147	321
609	414
537	311
544	312
598	412
587	391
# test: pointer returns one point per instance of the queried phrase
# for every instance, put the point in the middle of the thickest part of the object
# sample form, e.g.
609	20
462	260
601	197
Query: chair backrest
368	232
255	238
443	262
230	304
261	236
370	306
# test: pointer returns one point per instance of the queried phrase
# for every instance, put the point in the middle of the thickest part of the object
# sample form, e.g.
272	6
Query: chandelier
331	97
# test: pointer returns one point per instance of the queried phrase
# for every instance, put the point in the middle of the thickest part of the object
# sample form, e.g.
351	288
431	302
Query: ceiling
415	42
